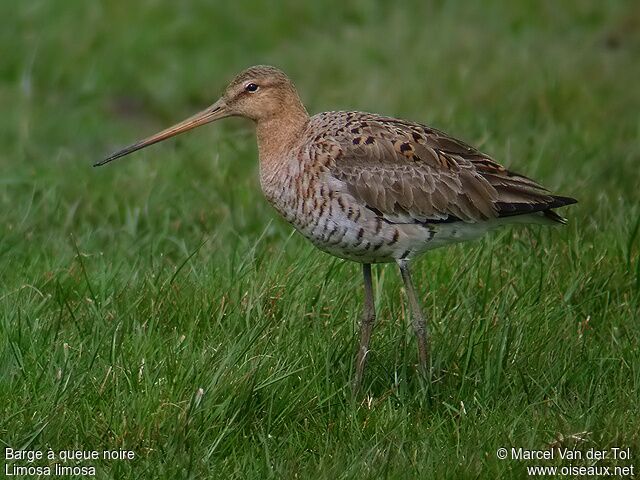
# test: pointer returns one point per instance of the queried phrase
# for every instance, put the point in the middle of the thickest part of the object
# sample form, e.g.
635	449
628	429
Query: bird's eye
251	87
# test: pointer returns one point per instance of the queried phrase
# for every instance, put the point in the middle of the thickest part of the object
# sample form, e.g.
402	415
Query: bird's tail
540	213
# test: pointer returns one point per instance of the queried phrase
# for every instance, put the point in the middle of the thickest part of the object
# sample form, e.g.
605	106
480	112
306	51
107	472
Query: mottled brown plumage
369	188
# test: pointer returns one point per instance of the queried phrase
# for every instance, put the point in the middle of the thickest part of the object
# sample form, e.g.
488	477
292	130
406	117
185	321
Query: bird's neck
278	134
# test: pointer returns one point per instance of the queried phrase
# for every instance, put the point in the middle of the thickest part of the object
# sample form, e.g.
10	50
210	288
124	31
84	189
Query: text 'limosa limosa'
369	188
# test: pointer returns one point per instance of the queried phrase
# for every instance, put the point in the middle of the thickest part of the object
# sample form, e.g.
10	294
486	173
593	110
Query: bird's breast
319	208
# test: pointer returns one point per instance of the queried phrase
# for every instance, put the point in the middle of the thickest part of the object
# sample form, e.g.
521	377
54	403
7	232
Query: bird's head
258	93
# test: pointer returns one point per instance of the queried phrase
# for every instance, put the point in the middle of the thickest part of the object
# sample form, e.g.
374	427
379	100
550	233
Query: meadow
159	305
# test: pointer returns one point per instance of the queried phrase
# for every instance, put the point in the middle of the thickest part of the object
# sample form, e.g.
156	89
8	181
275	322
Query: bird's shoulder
378	140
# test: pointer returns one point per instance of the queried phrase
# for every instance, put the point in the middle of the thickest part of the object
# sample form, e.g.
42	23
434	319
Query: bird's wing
407	172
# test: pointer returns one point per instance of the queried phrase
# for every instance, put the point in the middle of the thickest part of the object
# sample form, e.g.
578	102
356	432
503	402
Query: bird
369	188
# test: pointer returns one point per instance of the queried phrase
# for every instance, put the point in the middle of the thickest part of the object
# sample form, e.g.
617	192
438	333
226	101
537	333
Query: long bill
208	115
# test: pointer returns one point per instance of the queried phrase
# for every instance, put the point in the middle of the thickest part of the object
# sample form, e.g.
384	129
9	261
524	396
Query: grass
159	305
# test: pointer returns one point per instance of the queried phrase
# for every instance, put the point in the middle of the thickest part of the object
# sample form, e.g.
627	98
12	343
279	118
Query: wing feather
409	172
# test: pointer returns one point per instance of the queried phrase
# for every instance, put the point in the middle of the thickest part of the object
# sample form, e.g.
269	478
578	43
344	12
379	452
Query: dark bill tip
120	153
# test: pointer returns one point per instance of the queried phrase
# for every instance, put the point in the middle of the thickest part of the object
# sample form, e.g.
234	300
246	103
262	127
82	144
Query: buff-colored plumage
370	188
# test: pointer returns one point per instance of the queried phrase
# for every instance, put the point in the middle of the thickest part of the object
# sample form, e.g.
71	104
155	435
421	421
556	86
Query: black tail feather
506	209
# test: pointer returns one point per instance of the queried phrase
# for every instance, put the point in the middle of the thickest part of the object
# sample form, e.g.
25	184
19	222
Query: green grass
158	305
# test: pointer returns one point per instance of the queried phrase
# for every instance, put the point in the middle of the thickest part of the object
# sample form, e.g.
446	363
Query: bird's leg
419	323
368	318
